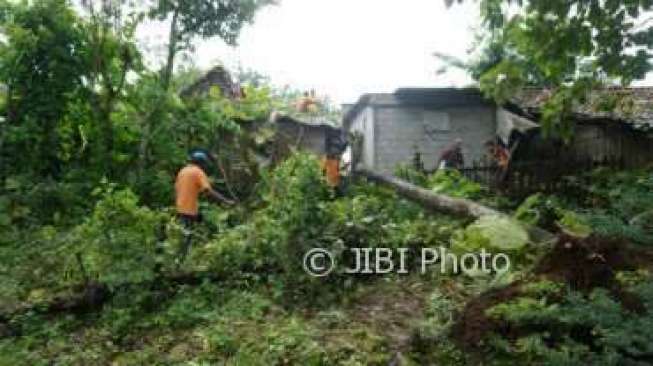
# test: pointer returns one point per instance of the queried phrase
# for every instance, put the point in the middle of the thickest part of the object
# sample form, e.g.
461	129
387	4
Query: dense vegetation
567	47
89	145
243	297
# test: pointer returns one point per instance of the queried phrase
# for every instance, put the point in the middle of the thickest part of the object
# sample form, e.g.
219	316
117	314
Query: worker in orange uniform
308	103
331	168
191	181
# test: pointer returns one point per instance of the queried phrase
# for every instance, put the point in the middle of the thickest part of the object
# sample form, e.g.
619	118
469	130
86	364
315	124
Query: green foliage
449	182
539	210
410	174
48	201
43	63
209	18
574	224
440	316
606	202
116	241
542	288
579	329
493	233
569	47
277	237
452	183
613	203
80	106
73	116
205	18
300	214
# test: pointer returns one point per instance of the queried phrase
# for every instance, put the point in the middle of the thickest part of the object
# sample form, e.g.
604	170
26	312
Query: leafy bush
574	224
493	233
300	213
609	203
453	183
539	210
610	225
412	175
274	241
578	329
615	199
117	240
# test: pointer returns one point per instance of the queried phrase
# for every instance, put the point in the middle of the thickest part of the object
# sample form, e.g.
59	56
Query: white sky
344	48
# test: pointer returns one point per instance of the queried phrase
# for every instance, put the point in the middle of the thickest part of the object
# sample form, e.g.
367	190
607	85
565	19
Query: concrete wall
364	124
308	138
400	131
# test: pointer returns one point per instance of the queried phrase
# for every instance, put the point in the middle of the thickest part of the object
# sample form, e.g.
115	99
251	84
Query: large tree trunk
172	51
450	205
429	199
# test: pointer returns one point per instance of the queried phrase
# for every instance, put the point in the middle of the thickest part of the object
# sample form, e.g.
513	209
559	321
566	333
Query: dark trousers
187	225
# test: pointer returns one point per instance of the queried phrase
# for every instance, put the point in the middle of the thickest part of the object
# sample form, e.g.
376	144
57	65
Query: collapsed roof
218	76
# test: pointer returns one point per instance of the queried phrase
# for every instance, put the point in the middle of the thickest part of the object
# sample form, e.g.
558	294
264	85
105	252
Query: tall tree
189	19
112	54
42	65
570	46
204	18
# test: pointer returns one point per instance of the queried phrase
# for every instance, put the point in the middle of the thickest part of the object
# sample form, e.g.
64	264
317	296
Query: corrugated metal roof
306	120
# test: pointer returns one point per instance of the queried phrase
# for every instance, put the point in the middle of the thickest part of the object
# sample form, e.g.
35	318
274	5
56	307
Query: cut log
439	202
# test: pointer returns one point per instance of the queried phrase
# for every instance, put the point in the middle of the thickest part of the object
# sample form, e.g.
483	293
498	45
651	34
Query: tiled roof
630	105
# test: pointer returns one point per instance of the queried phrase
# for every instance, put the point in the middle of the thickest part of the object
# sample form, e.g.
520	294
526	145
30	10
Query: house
218	77
314	134
395	127
614	124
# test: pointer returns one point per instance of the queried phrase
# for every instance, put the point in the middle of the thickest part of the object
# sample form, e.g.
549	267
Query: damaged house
623	135
317	135
302	131
395	127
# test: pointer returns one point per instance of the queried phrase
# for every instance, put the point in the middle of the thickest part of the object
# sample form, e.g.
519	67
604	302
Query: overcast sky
344	48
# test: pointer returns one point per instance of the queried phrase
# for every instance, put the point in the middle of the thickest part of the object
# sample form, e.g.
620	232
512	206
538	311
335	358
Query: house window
435	121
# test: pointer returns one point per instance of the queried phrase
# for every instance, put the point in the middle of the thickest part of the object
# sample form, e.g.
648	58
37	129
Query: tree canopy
570	47
204	18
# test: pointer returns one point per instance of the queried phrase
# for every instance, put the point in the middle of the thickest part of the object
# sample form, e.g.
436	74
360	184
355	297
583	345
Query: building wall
400	131
364	125
308	138
612	142
598	142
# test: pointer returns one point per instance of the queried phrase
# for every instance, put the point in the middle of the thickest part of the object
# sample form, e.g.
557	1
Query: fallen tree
446	204
429	199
